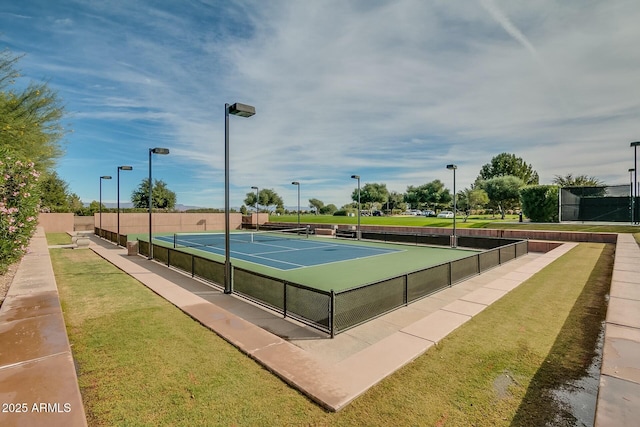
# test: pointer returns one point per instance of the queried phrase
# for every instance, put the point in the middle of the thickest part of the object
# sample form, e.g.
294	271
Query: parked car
377	213
445	214
428	213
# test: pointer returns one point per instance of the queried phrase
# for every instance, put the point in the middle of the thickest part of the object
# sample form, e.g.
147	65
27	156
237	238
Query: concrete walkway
619	392
332	372
38	383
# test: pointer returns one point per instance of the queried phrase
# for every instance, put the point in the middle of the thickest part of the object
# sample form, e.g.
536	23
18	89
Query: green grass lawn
141	361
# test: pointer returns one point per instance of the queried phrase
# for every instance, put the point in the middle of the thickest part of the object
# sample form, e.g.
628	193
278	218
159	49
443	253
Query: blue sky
389	90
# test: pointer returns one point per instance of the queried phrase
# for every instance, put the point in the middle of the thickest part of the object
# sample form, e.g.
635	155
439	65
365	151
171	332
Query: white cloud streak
391	90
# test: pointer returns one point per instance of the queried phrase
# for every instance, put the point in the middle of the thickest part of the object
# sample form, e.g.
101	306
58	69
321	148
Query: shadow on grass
572	352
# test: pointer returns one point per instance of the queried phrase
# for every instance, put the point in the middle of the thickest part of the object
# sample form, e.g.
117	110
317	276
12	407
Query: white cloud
393	90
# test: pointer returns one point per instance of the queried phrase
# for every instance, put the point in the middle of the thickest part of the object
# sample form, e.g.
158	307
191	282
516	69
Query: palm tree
569	180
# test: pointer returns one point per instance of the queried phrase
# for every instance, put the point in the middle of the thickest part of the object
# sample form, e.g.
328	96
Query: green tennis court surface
325	263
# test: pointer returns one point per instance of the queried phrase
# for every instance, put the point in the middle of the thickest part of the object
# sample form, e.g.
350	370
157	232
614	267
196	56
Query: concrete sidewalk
332	372
38	383
619	392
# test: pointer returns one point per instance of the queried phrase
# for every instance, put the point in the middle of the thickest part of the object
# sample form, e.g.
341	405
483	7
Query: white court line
216	249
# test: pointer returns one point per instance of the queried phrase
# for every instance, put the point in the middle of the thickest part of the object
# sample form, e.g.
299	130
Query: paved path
38	383
332	372
619	392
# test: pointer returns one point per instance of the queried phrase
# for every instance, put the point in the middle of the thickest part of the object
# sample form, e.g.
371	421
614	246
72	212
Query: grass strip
143	362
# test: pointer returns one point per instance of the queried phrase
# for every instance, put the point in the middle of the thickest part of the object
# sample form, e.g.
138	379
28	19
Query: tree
268	198
470	199
75	204
540	202
161	196
569	180
316	205
371	193
94	208
396	201
503	192
29	118
506	164
328	209
431	194
250	199
54	194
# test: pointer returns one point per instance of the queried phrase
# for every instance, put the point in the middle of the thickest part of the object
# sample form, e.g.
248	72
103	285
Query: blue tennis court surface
283	253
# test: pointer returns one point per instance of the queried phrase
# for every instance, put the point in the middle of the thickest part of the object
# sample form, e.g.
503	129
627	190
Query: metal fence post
406	289
332	314
284	295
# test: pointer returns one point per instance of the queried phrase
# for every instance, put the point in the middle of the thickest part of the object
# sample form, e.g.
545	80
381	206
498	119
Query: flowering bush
19	200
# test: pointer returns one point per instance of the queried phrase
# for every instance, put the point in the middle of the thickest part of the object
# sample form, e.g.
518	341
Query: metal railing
335	312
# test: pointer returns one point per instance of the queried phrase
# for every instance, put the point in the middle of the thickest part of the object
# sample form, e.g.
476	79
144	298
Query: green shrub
19	200
340	212
540	203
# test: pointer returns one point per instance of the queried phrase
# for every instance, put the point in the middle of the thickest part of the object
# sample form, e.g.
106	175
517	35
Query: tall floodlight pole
241	110
454	243
152	151
635	178
257	214
297	183
120	168
100	207
358	229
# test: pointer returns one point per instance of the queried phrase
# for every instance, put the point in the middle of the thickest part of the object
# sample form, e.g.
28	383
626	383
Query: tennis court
330	284
282	250
319	262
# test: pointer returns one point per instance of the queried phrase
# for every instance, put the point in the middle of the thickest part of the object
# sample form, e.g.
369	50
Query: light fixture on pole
631	193
100	207
120	168
257	214
241	110
358	229
297	183
635	179
454	243
152	151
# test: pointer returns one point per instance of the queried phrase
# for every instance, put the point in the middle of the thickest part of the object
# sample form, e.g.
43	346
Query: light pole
635	178
257	214
455	207
358	229
241	110
100	207
120	168
297	183
631	192
152	151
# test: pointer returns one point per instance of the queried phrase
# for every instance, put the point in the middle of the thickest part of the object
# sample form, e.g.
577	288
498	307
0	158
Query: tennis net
191	240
